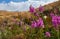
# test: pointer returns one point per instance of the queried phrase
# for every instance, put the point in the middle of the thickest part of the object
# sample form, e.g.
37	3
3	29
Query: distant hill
51	5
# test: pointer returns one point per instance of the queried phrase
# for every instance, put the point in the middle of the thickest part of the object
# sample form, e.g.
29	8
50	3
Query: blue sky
7	1
22	5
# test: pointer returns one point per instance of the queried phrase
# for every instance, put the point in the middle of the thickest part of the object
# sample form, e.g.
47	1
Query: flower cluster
41	9
47	34
32	9
55	20
38	23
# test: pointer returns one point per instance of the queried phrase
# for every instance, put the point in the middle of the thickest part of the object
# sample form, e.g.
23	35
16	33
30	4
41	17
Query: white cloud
41	0
21	6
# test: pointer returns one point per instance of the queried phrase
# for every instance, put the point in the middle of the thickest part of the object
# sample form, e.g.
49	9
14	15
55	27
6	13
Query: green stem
58	34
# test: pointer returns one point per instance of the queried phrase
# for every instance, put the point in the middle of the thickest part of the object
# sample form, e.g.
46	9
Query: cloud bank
23	6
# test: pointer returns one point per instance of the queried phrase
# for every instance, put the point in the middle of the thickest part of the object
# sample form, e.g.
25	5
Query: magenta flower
34	24
41	8
47	34
54	21
40	23
32	9
51	14
58	19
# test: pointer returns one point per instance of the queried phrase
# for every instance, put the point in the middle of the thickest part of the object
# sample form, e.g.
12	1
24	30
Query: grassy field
31	25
